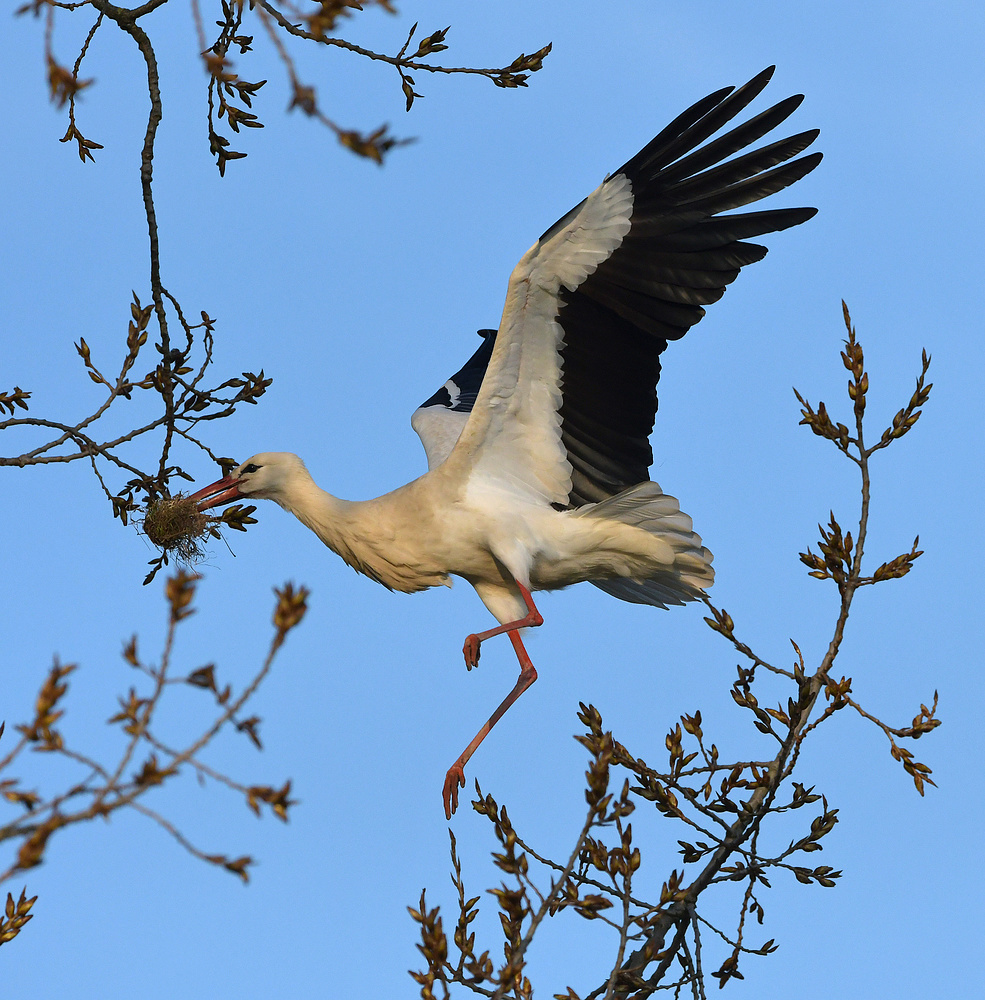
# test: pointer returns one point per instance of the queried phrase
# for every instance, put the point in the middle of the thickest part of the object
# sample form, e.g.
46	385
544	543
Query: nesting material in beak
176	524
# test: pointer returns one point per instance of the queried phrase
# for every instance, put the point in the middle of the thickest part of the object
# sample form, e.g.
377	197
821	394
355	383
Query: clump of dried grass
176	525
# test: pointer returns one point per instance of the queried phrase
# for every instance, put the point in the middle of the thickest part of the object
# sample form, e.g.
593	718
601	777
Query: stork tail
646	506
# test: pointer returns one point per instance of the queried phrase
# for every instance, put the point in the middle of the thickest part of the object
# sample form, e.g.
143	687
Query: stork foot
454	779
471	653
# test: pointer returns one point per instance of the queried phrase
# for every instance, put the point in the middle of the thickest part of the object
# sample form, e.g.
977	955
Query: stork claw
454	779
471	653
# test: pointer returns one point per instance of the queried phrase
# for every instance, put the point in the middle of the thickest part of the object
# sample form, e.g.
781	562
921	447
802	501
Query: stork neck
326	515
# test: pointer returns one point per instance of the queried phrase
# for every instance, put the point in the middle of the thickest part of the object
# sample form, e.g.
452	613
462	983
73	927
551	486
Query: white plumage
538	448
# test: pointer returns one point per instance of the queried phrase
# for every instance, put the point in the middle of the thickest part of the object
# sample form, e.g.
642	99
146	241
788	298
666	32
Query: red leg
455	778
532	619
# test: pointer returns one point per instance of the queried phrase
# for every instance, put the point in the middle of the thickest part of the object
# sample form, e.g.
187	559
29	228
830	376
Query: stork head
271	475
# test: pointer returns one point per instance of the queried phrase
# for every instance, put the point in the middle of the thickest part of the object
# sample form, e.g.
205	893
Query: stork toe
471	651
454	779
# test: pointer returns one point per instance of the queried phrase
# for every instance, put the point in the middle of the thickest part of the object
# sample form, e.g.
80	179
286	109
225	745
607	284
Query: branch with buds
147	758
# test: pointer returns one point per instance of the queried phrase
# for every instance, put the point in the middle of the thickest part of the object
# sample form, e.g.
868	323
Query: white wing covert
514	433
440	420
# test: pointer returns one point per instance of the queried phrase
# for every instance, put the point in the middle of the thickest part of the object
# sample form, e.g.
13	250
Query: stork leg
532	619
455	778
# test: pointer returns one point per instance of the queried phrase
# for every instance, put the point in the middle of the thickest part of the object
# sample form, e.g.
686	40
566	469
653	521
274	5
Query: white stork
538	450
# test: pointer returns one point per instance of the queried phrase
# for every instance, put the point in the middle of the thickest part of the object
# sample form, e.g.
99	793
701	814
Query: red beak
224	491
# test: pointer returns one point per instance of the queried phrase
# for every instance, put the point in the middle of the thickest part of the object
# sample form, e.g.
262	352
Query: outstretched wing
440	420
566	407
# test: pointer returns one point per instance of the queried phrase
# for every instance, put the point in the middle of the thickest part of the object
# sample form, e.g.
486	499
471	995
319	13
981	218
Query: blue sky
359	290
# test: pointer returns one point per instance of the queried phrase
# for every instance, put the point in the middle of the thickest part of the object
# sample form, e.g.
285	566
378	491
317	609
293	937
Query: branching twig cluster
318	22
187	401
231	97
724	804
146	758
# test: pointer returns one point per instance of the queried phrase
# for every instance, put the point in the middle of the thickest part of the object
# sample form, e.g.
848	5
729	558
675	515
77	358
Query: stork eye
252	468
